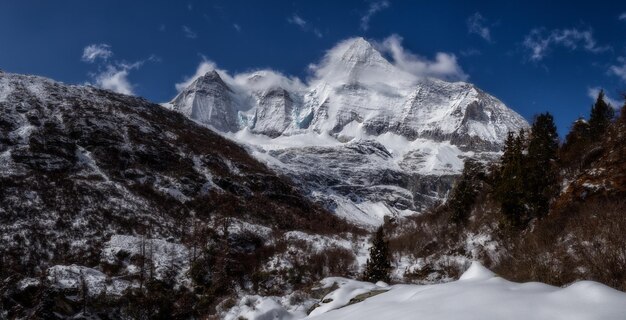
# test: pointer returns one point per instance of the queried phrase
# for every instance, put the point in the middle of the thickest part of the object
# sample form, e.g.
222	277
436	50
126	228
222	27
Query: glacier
362	136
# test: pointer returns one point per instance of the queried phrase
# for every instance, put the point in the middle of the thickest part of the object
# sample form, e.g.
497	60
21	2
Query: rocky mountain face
97	188
576	237
364	137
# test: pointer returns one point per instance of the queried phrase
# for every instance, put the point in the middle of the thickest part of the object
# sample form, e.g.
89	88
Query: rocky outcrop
315	133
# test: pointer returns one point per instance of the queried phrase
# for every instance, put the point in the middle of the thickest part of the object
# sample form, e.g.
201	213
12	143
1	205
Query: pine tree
541	172
601	116
576	143
465	191
509	182
378	265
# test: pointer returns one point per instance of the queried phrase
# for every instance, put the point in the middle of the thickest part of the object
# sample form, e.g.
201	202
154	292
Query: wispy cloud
237	27
93	52
375	7
445	65
476	25
593	94
470	52
189	33
622	16
111	75
619	69
540	42
297	20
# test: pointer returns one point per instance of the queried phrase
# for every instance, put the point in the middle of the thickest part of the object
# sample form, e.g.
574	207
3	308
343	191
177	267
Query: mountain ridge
429	126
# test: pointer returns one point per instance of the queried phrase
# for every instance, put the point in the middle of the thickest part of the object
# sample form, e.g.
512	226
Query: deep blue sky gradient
47	38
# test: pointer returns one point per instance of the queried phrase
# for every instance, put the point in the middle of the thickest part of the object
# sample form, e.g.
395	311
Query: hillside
568	232
102	192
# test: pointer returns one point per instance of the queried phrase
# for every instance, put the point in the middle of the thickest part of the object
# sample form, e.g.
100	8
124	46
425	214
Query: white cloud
445	66
374	8
245	81
622	16
406	67
189	33
297	20
593	94
619	69
111	75
476	25
303	25
96	51
237	27
539	42
114	78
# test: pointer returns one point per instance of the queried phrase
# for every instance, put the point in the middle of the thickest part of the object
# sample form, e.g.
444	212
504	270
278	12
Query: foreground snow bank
478	295
481	295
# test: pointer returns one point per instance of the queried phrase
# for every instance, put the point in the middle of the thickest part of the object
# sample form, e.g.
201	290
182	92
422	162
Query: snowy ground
478	294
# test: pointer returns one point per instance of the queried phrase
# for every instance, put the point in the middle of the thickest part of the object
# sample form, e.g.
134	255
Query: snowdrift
479	294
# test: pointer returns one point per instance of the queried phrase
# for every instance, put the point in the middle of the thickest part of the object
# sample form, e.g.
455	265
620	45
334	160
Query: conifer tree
378	265
541	172
509	182
576	143
465	191
601	116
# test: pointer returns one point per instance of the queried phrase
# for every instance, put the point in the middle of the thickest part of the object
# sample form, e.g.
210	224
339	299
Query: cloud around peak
244	81
445	66
401	67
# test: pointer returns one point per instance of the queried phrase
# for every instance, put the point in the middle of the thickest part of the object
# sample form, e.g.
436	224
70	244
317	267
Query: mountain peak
353	60
360	51
209	79
210	76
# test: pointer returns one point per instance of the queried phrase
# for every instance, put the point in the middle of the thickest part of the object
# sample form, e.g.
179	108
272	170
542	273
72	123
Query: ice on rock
355	96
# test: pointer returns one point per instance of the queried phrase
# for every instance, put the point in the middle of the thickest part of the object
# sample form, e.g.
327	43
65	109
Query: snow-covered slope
355	96
478	295
481	295
99	186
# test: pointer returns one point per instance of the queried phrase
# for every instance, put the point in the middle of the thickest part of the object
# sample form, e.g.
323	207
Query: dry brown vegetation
581	238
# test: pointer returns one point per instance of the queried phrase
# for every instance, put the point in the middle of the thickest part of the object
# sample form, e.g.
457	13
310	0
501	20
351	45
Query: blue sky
532	55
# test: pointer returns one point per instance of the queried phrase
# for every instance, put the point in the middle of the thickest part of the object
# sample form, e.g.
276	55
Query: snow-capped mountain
408	134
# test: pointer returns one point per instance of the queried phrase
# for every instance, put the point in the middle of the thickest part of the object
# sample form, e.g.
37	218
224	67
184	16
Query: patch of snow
477	271
76	277
480	295
164	256
254	307
348	289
